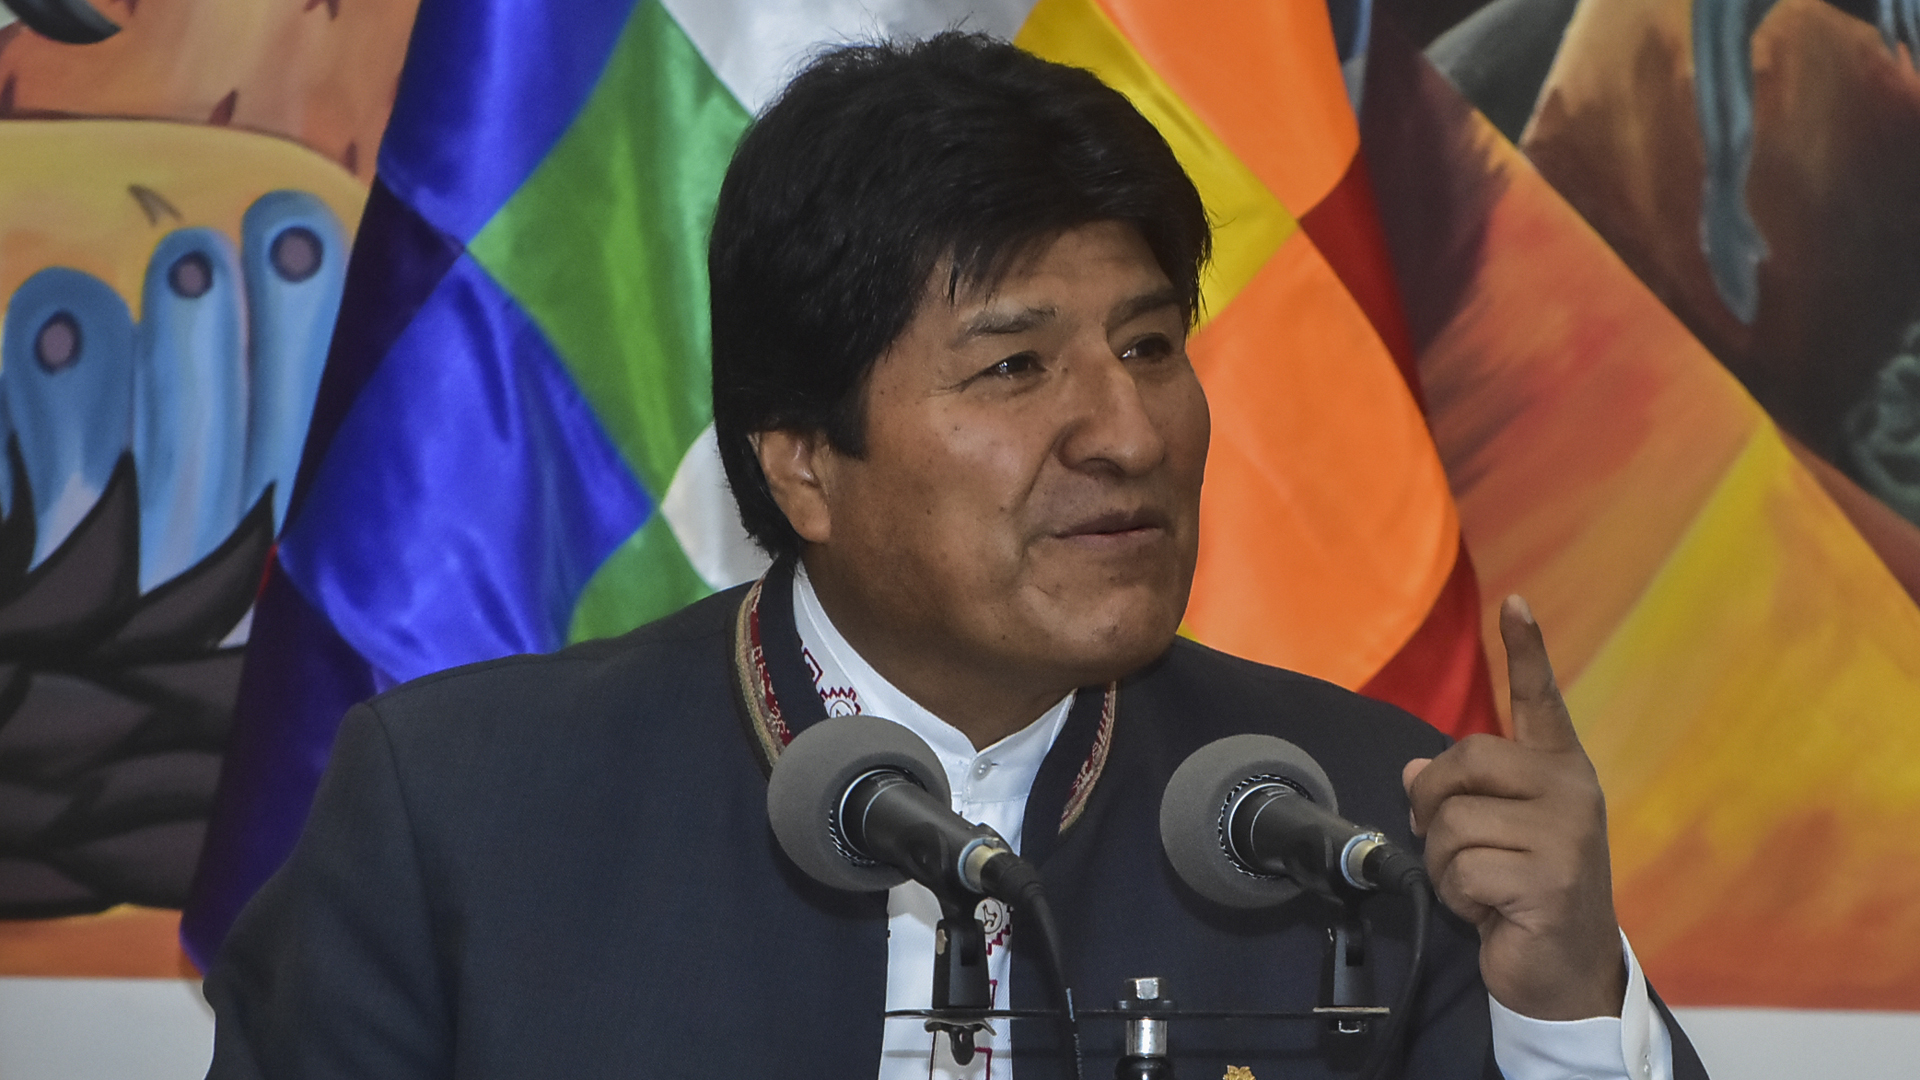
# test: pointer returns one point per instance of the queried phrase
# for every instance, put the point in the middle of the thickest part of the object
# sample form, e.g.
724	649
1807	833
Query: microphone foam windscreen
811	778
1193	814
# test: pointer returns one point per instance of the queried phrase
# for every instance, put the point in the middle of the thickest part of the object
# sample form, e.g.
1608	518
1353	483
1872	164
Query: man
951	290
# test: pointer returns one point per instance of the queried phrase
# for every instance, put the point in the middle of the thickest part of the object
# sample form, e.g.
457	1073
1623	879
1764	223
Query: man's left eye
1153	347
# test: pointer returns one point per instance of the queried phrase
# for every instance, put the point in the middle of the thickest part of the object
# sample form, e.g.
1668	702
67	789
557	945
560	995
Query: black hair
878	163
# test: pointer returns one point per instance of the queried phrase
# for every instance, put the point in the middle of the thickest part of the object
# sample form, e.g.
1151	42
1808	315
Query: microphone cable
1420	892
1018	878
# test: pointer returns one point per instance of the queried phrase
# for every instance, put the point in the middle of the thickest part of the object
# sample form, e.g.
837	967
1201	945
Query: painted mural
1659	258
179	185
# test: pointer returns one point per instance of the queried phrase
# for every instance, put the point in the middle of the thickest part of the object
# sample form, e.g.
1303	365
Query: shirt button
982	769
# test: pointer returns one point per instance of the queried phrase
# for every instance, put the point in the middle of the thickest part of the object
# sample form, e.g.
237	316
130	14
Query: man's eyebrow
998	323
1168	297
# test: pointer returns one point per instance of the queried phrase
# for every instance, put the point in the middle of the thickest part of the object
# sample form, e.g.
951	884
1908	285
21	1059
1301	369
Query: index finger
1540	717
1478	765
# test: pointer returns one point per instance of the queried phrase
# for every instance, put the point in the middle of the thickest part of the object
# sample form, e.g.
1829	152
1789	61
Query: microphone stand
1146	1007
1347	987
960	984
963	998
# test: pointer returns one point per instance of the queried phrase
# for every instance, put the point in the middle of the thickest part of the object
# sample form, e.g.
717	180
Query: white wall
161	1029
1789	1044
103	1029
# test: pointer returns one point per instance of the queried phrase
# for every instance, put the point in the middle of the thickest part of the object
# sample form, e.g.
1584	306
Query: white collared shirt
990	787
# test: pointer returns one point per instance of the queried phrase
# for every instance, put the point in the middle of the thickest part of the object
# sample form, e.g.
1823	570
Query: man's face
1027	509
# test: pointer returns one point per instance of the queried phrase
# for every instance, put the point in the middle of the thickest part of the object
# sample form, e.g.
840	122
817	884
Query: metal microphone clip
962	993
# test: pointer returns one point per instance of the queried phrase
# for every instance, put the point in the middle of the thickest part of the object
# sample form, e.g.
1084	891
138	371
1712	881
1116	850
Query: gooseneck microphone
861	803
1274	829
1250	820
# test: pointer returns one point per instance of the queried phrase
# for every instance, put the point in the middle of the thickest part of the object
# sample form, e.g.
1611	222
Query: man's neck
984	710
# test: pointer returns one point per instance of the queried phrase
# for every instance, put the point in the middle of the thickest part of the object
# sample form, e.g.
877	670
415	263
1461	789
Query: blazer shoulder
658	664
1222	694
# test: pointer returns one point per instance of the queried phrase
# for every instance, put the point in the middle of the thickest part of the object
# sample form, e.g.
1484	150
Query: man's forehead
1001	316
998	295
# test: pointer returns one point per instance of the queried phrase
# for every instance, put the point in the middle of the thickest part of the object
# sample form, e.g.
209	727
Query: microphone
861	803
1250	820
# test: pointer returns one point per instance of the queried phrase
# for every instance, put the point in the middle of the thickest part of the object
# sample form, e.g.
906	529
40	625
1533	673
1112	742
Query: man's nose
1111	426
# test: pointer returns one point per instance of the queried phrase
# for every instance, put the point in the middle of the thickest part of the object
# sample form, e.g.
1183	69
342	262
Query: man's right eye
1017	364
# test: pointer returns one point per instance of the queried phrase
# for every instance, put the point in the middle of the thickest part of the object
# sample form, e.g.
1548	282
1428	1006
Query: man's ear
795	464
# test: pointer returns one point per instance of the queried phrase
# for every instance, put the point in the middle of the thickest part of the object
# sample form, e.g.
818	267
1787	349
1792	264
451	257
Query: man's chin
1114	646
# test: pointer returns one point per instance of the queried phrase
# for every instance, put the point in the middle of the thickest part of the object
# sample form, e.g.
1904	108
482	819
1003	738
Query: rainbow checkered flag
512	447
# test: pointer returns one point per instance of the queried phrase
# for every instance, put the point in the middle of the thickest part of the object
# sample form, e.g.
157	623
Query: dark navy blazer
560	866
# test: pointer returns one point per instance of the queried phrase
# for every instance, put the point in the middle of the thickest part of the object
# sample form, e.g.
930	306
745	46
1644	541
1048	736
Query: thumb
1411	770
1408	773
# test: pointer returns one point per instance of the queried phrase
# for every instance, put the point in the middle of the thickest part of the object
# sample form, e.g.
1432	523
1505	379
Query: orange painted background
1678	490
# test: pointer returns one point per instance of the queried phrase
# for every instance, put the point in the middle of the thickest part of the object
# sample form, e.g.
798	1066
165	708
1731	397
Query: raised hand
1516	835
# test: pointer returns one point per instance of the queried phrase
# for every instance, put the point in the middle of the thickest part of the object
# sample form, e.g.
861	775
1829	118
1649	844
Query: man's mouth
1117	525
